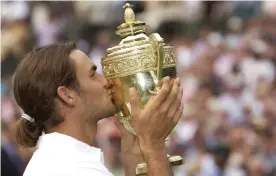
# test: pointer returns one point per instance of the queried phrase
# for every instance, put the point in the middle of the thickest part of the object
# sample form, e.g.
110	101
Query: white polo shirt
62	155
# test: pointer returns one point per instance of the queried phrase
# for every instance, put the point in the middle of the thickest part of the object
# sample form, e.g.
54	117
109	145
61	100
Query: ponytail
27	133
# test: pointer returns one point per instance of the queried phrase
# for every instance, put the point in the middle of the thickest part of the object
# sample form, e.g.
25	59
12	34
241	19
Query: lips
108	85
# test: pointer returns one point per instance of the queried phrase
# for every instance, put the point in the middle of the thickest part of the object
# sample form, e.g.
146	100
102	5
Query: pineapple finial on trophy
130	27
129	14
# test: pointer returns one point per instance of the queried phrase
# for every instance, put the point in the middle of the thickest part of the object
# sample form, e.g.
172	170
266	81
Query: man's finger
171	99
176	103
178	115
134	101
161	94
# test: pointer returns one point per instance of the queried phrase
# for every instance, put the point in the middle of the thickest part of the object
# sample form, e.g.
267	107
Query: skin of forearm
155	157
157	162
130	161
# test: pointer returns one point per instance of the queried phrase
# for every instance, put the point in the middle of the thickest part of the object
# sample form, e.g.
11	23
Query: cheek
93	89
90	85
80	101
96	92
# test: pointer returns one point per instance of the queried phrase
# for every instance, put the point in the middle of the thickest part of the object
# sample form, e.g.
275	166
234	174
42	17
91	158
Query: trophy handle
157	42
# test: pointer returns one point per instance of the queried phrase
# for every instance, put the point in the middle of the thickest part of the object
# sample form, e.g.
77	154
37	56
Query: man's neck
84	132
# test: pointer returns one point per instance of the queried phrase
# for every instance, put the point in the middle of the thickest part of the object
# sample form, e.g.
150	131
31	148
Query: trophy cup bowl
139	61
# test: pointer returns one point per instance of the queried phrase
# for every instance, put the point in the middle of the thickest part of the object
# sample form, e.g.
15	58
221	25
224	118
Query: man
62	95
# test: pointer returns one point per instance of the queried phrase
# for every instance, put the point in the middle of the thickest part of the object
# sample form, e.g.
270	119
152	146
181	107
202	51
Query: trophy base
174	161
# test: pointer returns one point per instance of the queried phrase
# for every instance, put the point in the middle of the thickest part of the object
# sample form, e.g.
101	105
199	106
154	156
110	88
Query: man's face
94	101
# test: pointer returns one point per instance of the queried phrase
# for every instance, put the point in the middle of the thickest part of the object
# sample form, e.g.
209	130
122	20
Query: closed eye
93	70
93	74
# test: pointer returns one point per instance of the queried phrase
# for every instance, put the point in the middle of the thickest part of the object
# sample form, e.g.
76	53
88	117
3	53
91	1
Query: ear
68	96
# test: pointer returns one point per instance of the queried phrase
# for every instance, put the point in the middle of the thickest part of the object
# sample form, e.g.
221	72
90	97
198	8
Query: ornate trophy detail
138	61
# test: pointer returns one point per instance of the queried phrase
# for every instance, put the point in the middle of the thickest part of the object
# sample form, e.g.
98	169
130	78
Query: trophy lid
136	52
131	26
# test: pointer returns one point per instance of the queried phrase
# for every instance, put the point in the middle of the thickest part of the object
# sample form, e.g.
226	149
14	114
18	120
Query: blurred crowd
226	60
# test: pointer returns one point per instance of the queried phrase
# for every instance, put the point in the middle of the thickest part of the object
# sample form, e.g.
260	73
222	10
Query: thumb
134	101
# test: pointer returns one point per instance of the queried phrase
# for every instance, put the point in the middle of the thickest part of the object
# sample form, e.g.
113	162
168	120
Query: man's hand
155	122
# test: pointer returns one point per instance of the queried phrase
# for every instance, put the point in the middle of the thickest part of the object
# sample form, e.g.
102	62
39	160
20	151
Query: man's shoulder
62	162
46	163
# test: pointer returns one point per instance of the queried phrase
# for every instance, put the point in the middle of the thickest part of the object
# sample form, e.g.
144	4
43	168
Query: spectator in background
99	50
7	166
46	25
11	158
231	100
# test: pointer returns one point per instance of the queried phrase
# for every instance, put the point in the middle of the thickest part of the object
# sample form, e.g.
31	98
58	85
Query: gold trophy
138	61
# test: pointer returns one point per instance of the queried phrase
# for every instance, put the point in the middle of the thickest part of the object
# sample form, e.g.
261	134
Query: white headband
27	117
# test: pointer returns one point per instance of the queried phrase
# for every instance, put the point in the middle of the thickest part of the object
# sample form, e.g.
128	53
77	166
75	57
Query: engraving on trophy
169	59
125	67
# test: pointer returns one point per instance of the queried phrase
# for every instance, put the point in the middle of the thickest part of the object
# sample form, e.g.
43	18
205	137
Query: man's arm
155	157
152	125
130	162
157	161
130	150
